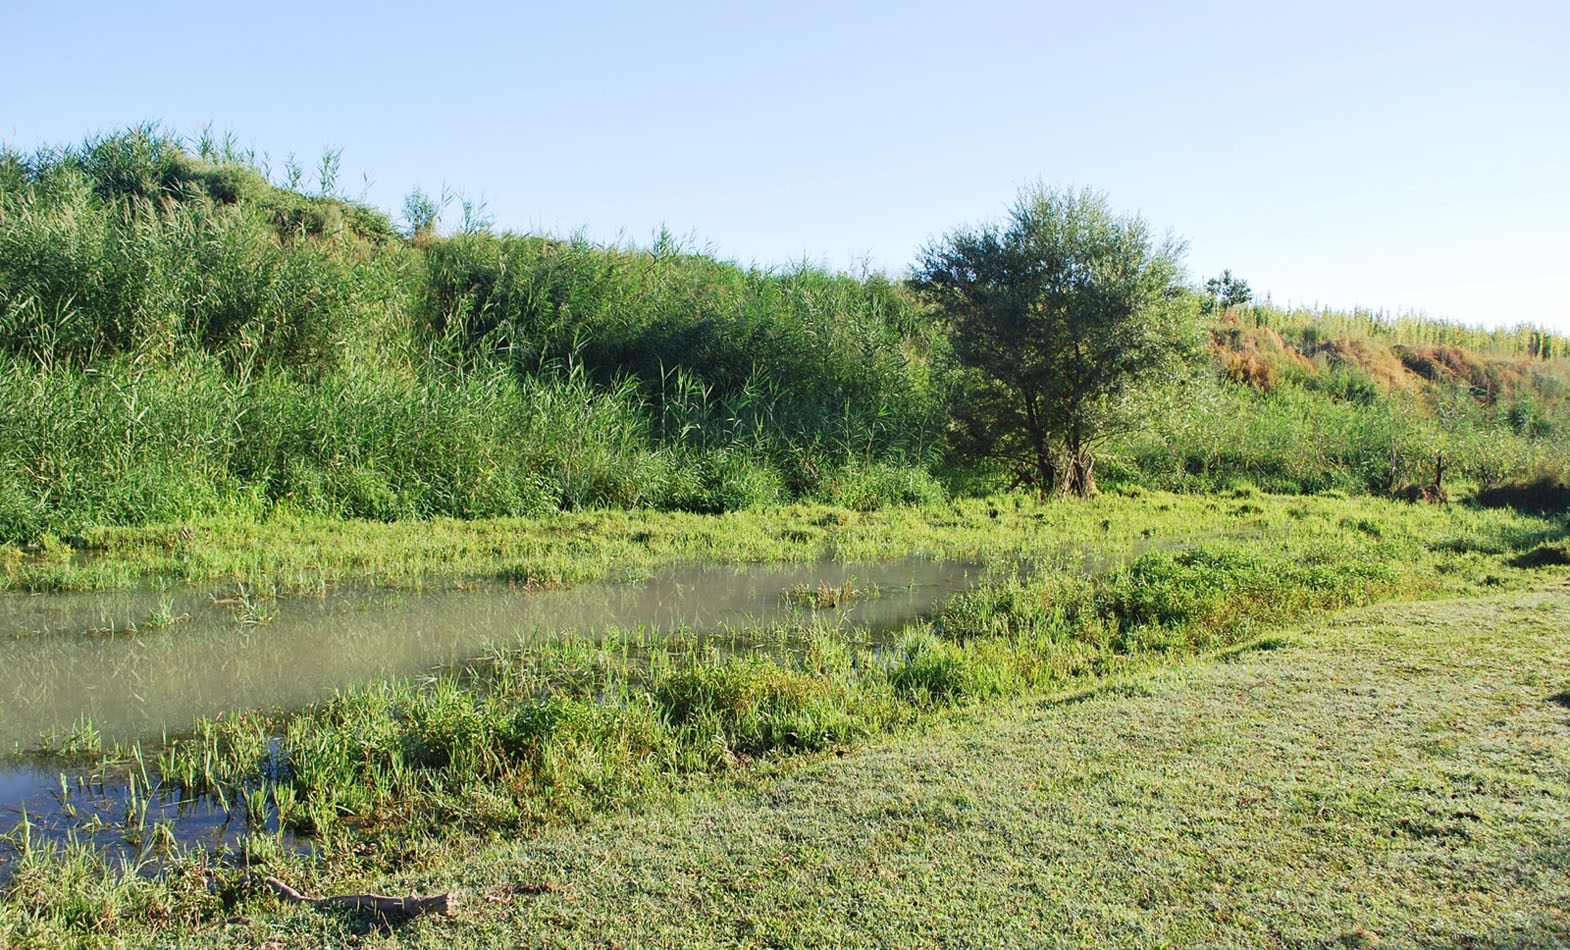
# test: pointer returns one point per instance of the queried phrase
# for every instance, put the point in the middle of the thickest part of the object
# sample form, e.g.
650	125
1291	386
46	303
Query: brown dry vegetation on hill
1257	356
1377	361
1262	357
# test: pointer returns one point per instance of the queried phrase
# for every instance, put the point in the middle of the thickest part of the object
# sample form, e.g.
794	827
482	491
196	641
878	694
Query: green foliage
129	246
181	337
754	705
1225	292
420	215
879	485
803	361
1211	592
1059	318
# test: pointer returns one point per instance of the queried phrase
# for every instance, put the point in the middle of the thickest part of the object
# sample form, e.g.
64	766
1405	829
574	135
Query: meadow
395	783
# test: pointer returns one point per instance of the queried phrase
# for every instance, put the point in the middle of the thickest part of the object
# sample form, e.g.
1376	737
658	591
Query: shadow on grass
1105	690
1136	686
1544	555
1546	494
1266	644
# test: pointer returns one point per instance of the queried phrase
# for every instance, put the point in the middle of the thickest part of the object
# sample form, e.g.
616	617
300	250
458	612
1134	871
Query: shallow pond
138	664
142	665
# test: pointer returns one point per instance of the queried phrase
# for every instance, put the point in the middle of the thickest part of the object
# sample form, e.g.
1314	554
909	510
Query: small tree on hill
1059	315
1225	292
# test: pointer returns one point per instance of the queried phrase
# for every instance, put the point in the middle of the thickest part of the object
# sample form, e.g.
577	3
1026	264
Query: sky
1405	157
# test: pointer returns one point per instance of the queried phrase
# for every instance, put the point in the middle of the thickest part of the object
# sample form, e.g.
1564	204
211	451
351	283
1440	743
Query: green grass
1394	775
303	553
209	377
553	734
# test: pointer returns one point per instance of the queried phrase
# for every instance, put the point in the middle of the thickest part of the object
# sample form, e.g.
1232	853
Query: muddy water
142	665
139	664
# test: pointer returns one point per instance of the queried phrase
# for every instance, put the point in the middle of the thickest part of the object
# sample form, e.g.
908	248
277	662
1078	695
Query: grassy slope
1398	774
182	339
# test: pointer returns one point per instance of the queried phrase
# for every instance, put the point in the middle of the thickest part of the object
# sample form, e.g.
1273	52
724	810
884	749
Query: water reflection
140	664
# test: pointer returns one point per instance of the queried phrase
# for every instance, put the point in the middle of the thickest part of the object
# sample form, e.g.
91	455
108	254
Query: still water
140	664
143	665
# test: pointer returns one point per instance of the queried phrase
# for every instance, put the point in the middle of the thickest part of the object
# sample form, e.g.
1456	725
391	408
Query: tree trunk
1081	481
1046	473
1081	478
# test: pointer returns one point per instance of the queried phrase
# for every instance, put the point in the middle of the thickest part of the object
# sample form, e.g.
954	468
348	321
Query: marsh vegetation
182	338
373	547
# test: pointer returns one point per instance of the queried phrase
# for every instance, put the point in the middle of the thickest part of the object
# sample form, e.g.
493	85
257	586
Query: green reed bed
184	340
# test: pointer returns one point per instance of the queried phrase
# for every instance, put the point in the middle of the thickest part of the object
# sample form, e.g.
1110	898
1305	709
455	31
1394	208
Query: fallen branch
410	906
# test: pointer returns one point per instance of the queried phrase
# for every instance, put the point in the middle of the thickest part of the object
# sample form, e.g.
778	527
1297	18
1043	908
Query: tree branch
408	906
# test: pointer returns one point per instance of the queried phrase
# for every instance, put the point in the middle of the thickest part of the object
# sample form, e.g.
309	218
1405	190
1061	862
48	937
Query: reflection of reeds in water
245	647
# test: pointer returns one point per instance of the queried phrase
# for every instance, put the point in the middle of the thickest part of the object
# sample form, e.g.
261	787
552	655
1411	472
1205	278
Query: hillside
181	337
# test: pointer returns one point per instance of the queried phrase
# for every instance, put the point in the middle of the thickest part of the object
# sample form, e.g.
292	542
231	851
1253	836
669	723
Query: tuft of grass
79	740
825	596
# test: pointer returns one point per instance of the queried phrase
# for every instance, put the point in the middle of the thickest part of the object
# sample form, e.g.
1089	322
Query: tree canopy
1060	314
1225	292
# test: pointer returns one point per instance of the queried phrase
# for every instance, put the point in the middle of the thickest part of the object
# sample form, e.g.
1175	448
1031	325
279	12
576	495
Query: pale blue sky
1409	156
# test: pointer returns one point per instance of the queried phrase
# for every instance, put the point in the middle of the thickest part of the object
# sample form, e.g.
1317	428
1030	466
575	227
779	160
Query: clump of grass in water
163	616
77	740
248	608
825	596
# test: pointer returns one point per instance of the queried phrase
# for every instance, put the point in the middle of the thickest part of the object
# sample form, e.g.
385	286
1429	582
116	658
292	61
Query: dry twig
409	906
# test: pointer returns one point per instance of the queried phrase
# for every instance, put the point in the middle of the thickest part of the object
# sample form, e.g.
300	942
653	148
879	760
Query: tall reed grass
181	336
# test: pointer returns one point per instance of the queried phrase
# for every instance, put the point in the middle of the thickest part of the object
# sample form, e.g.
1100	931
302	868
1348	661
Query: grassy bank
391	776
183	339
302	553
1394	776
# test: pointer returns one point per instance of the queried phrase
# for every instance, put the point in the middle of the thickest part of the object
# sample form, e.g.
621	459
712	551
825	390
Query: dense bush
180	337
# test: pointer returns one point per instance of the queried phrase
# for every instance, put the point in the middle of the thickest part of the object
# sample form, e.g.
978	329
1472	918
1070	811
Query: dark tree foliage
1059	315
1225	292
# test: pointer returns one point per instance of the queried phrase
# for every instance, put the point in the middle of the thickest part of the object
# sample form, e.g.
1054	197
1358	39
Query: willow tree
1061	315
